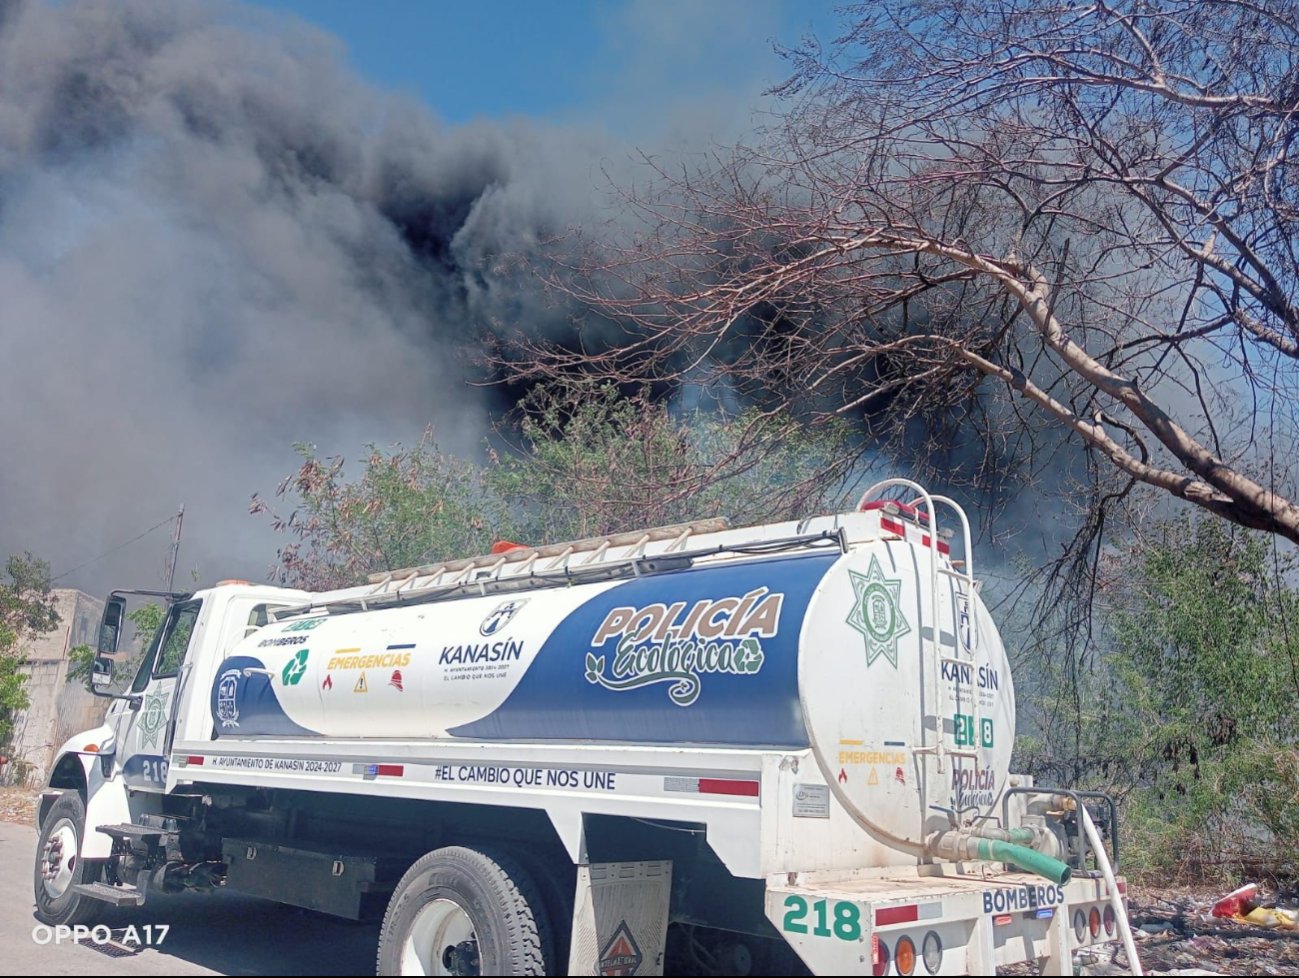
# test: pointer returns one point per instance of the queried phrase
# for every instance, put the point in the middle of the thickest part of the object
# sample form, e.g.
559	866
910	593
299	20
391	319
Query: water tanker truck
693	749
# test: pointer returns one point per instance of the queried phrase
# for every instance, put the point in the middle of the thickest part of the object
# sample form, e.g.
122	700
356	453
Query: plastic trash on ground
1272	917
1238	902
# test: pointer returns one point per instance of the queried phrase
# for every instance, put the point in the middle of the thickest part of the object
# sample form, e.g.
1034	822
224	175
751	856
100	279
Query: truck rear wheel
59	866
461	911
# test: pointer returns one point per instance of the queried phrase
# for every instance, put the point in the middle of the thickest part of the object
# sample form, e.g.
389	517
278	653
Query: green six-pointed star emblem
877	613
153	716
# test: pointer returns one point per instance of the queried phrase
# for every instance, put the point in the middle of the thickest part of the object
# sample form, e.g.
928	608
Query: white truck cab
198	631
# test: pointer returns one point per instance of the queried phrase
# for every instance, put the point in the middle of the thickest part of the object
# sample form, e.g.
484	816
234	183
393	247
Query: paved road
219	934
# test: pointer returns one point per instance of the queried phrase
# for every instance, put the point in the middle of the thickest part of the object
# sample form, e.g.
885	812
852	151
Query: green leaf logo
295	669
749	657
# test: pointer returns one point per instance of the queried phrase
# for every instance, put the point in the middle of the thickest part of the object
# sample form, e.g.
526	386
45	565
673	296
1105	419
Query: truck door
143	721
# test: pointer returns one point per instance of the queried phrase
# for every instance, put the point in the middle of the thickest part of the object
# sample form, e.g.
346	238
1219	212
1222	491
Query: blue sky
628	65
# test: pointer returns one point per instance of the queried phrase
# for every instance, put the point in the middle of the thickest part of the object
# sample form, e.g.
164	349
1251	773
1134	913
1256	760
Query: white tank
873	656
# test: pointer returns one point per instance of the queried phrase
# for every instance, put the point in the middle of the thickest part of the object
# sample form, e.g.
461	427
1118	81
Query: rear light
1094	922
880	957
1079	924
904	956
932	952
1108	920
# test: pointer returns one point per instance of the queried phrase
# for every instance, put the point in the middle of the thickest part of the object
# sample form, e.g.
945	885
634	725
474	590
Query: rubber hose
1116	898
1031	860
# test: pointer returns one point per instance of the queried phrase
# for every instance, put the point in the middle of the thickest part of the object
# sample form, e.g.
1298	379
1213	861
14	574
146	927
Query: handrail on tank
929	501
934	694
967	552
968	555
870	494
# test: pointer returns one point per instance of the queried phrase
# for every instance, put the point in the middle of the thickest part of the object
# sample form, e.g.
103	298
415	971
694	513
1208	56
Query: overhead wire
113	550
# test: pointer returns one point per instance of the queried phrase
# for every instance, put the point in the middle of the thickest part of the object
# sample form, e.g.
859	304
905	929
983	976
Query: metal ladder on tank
523	561
517	563
964	576
517	567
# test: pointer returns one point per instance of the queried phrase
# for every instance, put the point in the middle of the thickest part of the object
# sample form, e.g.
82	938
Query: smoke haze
216	240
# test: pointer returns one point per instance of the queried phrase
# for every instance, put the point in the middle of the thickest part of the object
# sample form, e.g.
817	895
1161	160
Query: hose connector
957	846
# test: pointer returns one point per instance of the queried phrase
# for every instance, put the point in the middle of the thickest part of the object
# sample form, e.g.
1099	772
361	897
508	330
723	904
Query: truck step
118	896
131	832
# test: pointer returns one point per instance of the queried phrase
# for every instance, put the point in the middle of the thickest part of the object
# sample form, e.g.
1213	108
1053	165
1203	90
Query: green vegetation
26	611
593	462
1189	711
590	462
406	507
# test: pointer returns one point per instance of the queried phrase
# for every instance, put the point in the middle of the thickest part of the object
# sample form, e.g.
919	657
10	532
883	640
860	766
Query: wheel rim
441	941
59	859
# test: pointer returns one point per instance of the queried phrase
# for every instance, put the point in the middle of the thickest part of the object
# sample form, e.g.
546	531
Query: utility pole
175	548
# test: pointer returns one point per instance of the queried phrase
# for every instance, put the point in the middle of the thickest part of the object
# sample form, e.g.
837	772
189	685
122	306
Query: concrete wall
57	709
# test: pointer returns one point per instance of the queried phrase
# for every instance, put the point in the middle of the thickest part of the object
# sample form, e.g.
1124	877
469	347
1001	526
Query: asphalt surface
217	934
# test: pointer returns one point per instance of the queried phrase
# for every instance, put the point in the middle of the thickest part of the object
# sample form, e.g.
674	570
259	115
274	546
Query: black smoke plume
216	239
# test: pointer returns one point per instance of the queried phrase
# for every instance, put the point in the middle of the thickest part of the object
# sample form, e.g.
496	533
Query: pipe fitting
957	846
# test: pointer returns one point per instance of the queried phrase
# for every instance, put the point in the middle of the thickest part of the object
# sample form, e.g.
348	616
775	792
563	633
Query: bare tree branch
1094	205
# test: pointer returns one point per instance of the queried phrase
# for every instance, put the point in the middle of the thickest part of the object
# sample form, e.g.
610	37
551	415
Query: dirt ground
1175	933
18	804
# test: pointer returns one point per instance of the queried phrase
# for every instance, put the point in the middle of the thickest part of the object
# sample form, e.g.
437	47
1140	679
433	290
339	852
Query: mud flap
620	918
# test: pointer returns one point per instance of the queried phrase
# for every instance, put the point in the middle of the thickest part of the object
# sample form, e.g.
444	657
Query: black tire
64	829
555	877
502	904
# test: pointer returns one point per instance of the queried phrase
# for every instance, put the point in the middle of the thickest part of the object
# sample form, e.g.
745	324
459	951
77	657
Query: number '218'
154	770
847	919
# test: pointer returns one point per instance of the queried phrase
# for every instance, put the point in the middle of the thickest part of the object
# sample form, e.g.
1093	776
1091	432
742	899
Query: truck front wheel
59	866
461	911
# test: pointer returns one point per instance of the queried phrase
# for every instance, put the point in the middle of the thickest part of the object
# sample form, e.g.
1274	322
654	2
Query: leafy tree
1192	711
13	697
26	610
407	507
590	462
26	604
595	462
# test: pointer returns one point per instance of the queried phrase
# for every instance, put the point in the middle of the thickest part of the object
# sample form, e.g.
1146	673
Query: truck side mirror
110	626
110	631
101	675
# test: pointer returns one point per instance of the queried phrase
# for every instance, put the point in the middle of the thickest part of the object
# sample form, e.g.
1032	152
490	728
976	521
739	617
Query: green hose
1031	860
